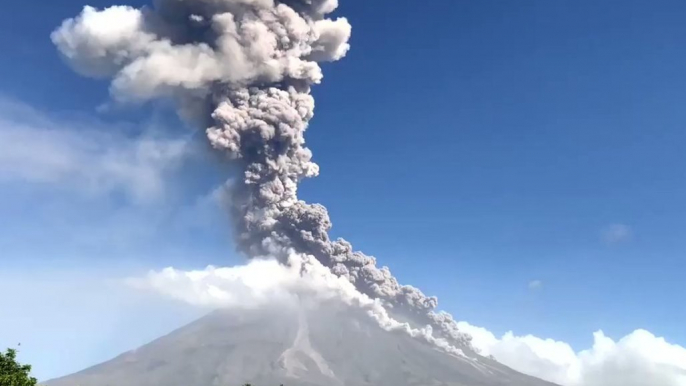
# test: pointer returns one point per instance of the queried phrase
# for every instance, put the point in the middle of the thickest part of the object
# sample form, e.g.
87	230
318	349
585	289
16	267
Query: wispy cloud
535	284
84	157
103	188
616	233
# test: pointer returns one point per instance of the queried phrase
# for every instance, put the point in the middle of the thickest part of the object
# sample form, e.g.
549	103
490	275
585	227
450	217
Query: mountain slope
325	345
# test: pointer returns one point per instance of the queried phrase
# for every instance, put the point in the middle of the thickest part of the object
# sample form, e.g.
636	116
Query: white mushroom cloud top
244	68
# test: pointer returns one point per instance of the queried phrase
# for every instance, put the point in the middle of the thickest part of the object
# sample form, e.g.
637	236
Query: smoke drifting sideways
243	69
301	283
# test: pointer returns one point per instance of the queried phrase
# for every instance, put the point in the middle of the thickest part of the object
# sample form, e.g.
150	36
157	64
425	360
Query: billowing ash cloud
244	68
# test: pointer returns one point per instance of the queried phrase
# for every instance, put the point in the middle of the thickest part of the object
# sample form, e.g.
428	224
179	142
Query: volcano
316	345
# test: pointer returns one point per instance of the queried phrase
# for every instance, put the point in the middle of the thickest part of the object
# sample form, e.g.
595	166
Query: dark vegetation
12	373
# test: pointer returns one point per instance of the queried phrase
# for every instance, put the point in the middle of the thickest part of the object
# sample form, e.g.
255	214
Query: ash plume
244	69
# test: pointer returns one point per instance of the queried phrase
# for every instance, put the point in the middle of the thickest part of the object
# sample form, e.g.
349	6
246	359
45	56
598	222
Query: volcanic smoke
243	69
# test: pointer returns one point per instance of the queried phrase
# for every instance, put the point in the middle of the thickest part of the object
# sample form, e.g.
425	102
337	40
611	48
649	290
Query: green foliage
12	373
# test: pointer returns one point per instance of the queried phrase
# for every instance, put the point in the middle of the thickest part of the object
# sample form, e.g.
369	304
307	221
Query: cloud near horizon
638	359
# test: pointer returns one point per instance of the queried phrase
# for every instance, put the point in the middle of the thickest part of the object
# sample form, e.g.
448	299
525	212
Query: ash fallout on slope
244	69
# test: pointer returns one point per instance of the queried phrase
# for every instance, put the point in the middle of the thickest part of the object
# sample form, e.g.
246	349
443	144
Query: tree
12	373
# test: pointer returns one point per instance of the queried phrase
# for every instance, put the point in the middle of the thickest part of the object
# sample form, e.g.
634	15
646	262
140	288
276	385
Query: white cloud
616	233
535	284
246	286
252	285
638	359
80	156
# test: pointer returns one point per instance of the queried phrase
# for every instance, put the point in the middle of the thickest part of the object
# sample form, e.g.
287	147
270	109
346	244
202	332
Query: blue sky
472	146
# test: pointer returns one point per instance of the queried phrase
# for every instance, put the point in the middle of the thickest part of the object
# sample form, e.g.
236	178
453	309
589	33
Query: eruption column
244	68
